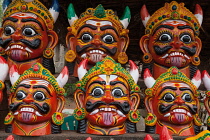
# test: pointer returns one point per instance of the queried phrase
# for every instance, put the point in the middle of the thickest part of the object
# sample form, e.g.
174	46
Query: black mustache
111	51
191	52
124	107
164	109
5	42
161	51
14	107
32	44
44	109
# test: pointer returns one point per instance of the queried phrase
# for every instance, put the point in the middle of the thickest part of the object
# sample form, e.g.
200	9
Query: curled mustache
164	109
111	51
32	44
5	42
161	51
44	109
191	52
123	107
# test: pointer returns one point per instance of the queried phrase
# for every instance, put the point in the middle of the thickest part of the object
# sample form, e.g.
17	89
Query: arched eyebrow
117	82
33	20
11	19
42	86
23	85
98	82
168	87
163	26
87	25
185	88
108	27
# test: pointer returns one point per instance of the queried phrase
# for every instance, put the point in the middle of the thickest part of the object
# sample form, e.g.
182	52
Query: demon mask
171	100
107	98
97	33
171	39
27	35
36	101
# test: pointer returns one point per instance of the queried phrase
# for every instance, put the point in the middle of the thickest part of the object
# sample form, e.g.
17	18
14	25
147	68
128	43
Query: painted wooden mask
171	38
4	72
27	35
171	100
107	98
36	101
206	81
97	33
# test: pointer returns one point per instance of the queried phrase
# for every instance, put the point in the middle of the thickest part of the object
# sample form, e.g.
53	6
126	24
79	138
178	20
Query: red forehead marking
98	23
33	82
177	85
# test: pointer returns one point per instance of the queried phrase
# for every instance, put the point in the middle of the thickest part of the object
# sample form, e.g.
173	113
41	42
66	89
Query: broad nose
96	41
179	101
177	43
28	99
16	36
108	98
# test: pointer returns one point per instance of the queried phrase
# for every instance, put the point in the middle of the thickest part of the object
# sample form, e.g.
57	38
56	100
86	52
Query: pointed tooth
27	49
120	113
37	113
84	55
188	113
168	114
7	48
16	113
94	112
165	56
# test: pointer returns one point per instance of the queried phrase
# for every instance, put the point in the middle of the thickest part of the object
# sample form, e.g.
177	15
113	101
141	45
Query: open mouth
19	47
27	110
178	111
107	109
94	55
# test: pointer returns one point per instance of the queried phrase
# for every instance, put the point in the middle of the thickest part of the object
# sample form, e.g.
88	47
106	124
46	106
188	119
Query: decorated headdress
32	6
99	13
172	11
38	71
172	74
108	67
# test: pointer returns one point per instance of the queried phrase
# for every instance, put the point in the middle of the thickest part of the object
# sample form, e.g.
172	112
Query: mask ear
124	41
143	43
135	100
199	45
53	39
70	40
61	102
148	103
79	97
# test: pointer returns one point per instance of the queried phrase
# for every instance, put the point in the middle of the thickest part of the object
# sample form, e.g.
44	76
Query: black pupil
86	37
97	92
186	38
28	32
39	96
8	31
117	93
168	98
164	38
108	39
19	95
187	98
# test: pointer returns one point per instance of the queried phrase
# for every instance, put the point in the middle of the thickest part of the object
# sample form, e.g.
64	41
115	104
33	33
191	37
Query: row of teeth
96	51
108	109
175	54
28	109
179	111
18	47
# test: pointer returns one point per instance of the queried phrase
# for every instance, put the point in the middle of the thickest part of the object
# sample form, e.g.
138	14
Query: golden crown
108	67
35	7
38	71
99	13
172	74
172	11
